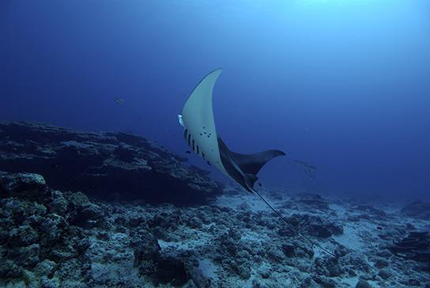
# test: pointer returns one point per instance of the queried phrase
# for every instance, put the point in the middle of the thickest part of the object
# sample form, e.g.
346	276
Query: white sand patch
341	210
176	245
350	282
253	237
350	238
193	241
208	268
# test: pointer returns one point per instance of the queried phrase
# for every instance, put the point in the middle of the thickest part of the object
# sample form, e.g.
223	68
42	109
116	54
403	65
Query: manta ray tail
313	243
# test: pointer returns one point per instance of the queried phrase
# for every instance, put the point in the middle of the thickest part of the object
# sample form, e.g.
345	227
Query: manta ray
200	133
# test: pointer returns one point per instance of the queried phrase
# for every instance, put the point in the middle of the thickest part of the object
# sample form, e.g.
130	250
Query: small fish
188	152
378	227
120	101
259	184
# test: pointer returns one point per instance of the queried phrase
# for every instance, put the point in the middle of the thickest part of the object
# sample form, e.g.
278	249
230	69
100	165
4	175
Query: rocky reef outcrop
53	239
56	236
41	237
109	166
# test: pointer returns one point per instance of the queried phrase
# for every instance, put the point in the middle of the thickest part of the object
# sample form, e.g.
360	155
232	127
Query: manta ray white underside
198	120
200	133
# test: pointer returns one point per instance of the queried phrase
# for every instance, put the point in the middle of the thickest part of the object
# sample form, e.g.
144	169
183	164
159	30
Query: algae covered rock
34	237
146	251
23	185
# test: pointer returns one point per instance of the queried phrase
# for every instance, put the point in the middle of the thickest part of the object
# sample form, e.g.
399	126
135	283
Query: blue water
340	84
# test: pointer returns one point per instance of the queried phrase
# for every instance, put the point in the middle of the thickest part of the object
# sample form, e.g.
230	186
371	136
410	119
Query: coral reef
60	237
50	238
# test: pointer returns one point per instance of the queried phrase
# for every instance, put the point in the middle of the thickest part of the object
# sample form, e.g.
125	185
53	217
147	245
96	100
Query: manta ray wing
198	120
252	163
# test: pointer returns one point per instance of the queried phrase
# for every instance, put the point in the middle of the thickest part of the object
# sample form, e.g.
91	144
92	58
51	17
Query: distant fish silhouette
200	134
310	170
119	101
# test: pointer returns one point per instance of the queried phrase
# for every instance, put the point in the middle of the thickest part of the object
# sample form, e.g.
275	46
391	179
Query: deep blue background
341	84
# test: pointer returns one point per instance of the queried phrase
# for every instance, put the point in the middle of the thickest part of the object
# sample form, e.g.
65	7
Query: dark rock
362	284
45	268
170	271
91	212
82	212
23	236
307	283
25	256
414	282
328	267
286	232
59	203
380	263
146	251
289	250
324	282
23	185
316	226
384	273
416	246
418	209
9	270
102	165
135	221
46	282
196	223
244	271
275	255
